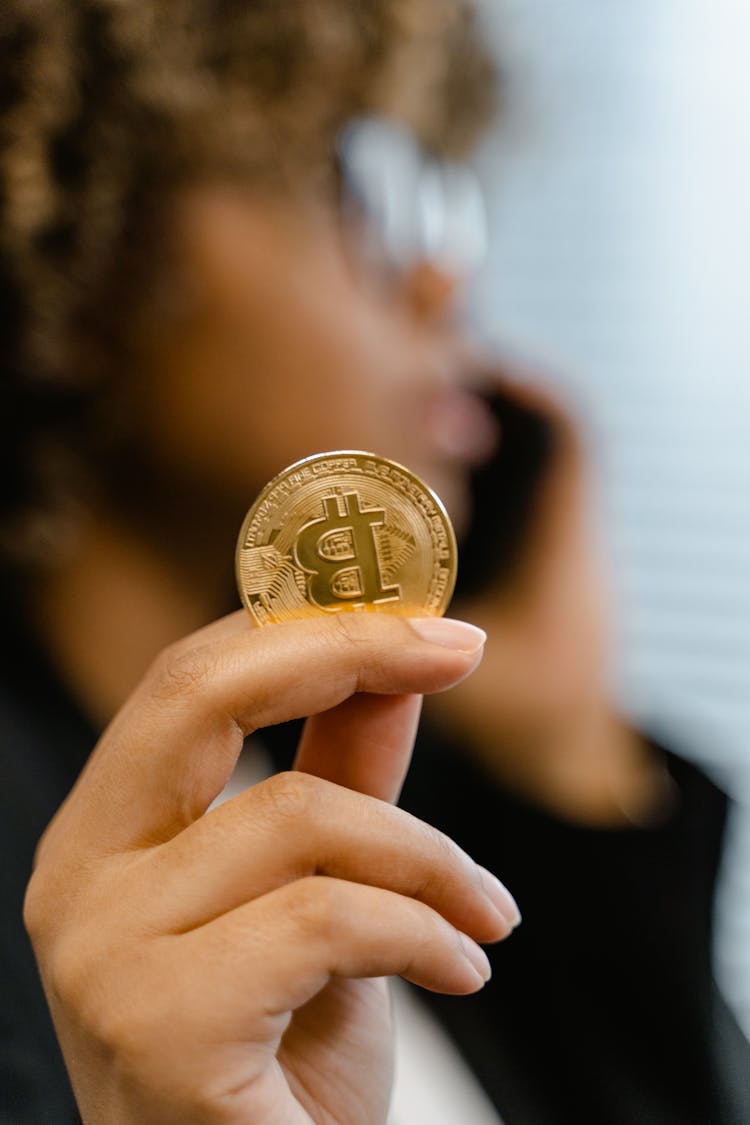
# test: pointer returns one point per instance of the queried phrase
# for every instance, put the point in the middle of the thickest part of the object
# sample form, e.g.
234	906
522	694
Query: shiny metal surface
342	532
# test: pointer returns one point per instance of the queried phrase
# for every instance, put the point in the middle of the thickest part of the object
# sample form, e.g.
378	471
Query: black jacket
602	1007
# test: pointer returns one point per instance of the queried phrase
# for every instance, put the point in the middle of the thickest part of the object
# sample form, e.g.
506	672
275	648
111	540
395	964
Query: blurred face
285	345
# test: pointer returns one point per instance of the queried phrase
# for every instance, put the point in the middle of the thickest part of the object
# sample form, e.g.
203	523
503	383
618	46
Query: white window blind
619	185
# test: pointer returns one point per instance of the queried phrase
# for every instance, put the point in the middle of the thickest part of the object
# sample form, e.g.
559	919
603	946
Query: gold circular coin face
345	531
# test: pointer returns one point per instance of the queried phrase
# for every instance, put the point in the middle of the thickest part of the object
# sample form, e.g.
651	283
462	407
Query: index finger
170	750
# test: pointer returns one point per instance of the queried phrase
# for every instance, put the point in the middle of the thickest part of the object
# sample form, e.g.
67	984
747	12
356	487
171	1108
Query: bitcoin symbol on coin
339	554
345	531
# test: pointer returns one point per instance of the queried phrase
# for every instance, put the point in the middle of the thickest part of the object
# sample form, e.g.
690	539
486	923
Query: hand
217	966
539	709
547	620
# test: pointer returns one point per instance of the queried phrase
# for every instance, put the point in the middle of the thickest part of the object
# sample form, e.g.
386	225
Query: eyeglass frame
417	207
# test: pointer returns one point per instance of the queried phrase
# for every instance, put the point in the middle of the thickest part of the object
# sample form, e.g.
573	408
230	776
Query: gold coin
345	531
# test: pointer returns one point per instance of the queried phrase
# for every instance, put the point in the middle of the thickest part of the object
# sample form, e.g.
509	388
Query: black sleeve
43	744
602	1006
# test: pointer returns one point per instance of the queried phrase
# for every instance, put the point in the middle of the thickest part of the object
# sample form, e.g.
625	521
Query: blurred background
618	185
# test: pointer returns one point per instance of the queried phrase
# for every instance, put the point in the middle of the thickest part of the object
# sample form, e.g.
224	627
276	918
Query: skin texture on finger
225	1035
294	826
306	1057
380	727
170	750
300	936
211	1010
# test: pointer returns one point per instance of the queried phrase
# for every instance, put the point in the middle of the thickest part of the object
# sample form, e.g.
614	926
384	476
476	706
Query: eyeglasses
416	208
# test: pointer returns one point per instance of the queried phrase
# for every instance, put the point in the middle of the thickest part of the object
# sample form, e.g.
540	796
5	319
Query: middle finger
293	826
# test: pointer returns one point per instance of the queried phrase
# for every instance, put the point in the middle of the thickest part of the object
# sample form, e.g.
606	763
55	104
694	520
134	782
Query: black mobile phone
503	493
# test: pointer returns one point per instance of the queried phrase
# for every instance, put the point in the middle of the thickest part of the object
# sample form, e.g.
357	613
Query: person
199	291
190	304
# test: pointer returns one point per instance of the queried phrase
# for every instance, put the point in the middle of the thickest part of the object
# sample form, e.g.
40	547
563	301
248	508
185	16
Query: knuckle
348	627
49	893
291	795
68	974
106	994
360	637
444	858
363	632
127	1031
317	906
37	916
444	851
178	671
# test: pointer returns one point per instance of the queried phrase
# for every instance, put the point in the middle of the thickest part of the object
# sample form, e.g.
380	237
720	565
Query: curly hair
107	107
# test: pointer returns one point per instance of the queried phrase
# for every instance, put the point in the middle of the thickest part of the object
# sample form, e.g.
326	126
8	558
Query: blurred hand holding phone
539	710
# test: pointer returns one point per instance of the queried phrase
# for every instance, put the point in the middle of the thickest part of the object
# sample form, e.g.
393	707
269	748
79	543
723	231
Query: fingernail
476	956
500	897
449	633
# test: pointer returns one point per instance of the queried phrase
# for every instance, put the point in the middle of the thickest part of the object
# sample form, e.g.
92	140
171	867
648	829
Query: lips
461	427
